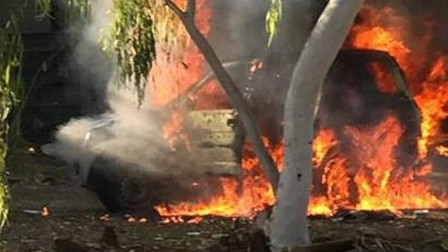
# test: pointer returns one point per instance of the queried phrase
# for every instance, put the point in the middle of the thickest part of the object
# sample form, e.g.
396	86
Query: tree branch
236	98
191	9
181	14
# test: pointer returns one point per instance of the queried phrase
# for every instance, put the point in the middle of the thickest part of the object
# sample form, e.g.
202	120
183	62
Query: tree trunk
289	227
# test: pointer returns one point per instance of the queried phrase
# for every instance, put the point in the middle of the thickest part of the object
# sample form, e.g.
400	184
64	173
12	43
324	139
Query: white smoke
125	131
133	134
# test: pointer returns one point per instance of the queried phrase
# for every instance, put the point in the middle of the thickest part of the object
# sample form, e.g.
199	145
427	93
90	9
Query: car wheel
119	188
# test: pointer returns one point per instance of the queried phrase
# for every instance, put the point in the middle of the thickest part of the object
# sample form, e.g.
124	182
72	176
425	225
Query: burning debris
44	212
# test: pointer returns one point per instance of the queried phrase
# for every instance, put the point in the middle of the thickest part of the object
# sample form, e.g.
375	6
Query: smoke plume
114	126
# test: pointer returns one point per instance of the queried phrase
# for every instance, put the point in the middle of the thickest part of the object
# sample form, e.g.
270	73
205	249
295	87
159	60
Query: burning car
209	142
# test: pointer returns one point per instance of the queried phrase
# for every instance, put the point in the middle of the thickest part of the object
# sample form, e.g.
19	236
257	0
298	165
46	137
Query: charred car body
350	96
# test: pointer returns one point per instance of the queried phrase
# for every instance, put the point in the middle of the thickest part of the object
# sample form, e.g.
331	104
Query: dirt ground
76	222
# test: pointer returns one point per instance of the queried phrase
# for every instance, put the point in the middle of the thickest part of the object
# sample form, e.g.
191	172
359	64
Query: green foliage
170	34
273	17
77	13
132	40
11	51
78	9
43	8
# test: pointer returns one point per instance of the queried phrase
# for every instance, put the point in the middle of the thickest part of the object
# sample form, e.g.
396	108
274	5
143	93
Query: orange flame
173	131
105	217
366	177
386	34
442	150
171	75
381	183
389	34
323	142
135	219
45	211
383	77
433	101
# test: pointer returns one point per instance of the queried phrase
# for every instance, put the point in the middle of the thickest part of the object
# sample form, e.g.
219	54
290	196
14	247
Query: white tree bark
289	226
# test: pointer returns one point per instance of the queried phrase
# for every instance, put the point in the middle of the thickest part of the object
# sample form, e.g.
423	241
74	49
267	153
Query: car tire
120	189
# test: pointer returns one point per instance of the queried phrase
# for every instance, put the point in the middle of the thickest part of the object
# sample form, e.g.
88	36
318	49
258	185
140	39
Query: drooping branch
191	8
273	17
132	41
11	55
181	14
236	98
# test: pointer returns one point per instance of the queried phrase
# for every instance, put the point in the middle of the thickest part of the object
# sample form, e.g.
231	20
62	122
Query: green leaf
273	17
131	38
7	77
11	52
